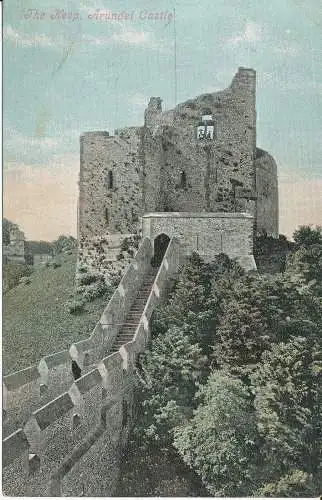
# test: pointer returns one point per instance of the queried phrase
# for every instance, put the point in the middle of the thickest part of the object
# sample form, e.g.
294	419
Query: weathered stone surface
164	167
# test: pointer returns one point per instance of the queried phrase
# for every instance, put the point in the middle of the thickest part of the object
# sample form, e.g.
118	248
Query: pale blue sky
62	77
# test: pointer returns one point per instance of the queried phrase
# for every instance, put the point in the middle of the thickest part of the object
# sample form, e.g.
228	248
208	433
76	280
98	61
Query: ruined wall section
110	197
72	445
209	234
15	251
267	194
152	157
209	165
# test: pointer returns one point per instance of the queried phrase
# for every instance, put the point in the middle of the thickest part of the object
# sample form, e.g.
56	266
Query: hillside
35	319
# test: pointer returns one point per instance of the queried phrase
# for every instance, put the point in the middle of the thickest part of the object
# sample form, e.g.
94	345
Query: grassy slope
35	318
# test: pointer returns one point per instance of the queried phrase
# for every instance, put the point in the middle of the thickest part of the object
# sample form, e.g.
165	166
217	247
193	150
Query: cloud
252	33
43	202
38	148
133	37
128	36
28	40
13	139
288	49
273	80
300	201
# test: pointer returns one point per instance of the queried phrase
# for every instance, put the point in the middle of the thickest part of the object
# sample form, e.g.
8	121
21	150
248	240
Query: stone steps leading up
128	329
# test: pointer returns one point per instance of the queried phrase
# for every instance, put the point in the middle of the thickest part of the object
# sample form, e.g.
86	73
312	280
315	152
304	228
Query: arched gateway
161	243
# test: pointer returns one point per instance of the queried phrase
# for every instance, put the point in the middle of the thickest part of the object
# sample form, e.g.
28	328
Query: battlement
53	442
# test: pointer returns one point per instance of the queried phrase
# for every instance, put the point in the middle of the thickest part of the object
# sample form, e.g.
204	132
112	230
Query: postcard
162	248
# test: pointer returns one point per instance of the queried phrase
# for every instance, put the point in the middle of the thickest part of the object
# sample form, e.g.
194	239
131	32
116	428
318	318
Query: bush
75	306
307	235
87	278
94	290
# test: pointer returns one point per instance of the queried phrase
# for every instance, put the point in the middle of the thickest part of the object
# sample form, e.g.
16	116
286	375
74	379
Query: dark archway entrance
161	243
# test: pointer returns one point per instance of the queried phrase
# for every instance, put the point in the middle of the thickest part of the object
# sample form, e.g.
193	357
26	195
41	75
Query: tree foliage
308	235
64	243
168	374
220	441
288	402
307	262
232	378
7	225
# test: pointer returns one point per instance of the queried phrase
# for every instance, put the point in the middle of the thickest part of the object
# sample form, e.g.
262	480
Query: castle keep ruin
199	158
190	179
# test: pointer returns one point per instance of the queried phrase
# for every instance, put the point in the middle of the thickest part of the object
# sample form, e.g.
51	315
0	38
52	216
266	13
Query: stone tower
200	157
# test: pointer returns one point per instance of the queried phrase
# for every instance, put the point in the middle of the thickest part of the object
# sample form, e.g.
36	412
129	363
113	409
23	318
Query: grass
36	321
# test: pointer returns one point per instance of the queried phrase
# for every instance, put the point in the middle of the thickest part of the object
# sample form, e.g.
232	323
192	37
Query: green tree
307	261
297	483
195	303
307	235
259	310
64	243
241	337
167	374
6	228
220	441
287	399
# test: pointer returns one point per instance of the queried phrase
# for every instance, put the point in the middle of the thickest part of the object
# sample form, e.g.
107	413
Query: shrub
75	306
94	290
87	278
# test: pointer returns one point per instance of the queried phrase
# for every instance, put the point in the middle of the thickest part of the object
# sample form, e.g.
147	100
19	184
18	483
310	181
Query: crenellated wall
71	445
164	166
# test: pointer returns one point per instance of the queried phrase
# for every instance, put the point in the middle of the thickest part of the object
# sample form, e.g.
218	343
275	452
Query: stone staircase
128	329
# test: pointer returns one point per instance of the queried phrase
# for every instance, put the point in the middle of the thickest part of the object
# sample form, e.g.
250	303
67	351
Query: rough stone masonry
199	157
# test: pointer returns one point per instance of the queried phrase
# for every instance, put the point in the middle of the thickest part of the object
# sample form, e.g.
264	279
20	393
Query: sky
69	68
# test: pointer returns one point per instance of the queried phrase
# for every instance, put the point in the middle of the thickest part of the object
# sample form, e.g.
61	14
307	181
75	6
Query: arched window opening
183	179
110	180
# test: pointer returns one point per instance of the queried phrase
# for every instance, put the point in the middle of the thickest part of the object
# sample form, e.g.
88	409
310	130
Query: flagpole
175	56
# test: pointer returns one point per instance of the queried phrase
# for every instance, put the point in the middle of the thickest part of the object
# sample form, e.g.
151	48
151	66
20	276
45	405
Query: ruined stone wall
206	233
152	158
110	197
267	195
71	445
164	167
15	251
209	165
